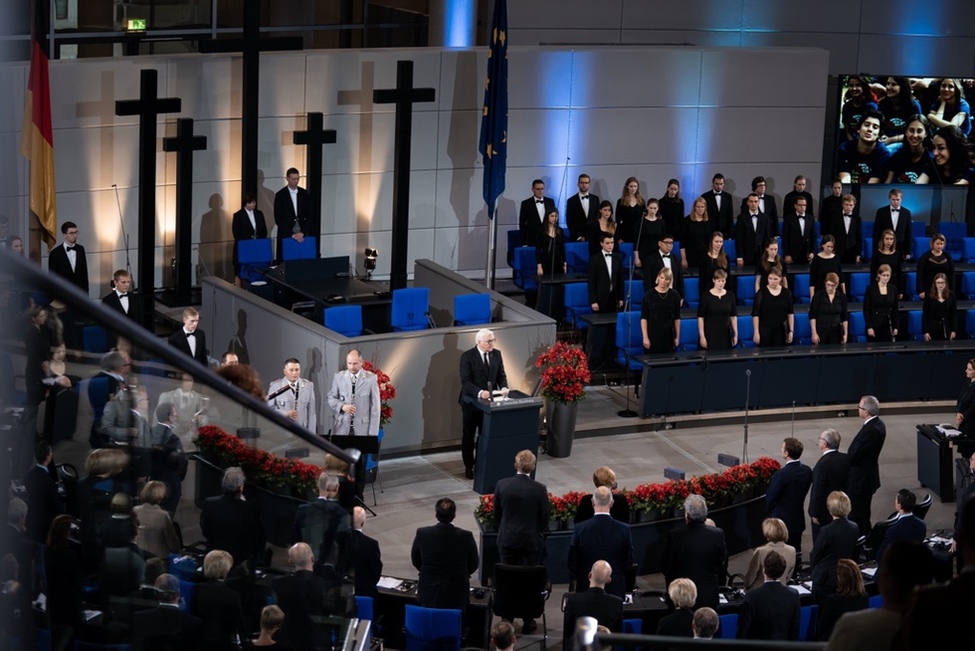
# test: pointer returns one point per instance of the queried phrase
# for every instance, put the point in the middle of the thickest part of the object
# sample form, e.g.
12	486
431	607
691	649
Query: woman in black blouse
717	316
550	249
660	316
829	319
629	209
672	206
715	258
933	262
887	253
695	235
770	260
824	262
772	315
939	314
652	227
880	307
604	223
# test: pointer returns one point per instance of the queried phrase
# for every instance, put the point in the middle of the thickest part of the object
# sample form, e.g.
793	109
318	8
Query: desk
392	605
934	462
551	293
601	338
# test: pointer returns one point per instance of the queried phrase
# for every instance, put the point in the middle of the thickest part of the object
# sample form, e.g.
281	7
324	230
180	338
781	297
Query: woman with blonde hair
776	533
835	541
683	595
157	534
695	235
620	510
272	618
660	315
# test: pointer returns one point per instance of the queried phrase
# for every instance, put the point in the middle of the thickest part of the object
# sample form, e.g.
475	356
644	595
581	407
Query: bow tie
802	216
894	211
583	196
754	214
190	334
608	255
847	216
539	201
70	248
125	295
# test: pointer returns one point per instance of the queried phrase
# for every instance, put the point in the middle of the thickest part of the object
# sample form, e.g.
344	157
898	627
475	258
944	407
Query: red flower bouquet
565	373
386	393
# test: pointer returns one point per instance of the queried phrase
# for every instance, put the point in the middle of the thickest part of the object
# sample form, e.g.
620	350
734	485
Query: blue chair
970	323
43	639
728	626
411	309
525	269
626	248
801	287
633	626
345	320
364	608
633	289
802	332
921	244
859	282
372	467
253	255
688	339
866	227
876	601
857	327
94	339
292	249
968	284
472	309
577	256
729	248
867	251
746	331
692	293
629	340
577	304
918	229
514	241
910	286
807	623
745	289
432	629
915	326
968	250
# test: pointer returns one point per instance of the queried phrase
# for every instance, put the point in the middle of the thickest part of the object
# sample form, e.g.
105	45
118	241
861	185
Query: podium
509	427
934	462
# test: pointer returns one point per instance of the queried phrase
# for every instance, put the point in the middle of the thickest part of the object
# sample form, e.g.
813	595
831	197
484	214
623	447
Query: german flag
36	137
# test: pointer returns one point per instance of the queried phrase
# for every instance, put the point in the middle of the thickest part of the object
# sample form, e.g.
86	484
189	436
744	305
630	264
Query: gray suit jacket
307	412
366	401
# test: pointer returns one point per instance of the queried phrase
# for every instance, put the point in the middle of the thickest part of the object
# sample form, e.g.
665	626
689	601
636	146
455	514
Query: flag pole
493	144
492	245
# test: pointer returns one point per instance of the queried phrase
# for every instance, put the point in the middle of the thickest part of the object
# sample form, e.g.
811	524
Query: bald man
301	596
607	609
367	557
601	537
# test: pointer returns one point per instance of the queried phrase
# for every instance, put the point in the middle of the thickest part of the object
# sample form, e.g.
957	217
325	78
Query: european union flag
494	121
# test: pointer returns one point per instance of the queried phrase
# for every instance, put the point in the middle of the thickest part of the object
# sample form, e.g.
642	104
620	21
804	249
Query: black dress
939	318
628	220
550	253
660	311
772	312
893	260
650	234
672	210
929	266
760	270
821	266
880	312
829	316
717	312
696	240
705	272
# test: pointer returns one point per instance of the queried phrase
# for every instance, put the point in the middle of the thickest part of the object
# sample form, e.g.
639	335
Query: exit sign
137	25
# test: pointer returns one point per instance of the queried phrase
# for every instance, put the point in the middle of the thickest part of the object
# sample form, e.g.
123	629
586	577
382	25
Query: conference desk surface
326	292
391	606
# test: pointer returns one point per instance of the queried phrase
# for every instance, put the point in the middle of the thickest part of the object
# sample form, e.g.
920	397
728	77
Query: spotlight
370	262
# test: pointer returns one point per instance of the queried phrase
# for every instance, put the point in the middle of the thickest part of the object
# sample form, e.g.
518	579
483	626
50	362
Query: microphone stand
629	413
125	236
748	393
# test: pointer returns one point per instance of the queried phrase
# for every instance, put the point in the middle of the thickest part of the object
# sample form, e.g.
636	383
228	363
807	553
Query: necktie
487	361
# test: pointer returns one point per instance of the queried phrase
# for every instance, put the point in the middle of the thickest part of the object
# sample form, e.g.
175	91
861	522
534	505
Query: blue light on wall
458	22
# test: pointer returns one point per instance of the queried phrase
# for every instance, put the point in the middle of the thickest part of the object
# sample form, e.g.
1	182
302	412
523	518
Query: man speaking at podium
354	401
481	372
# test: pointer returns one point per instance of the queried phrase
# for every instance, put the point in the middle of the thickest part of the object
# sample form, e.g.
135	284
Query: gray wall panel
748	77
569	13
730	134
919	55
714	15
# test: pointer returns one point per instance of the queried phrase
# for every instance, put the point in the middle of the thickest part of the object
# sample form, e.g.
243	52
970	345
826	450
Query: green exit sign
137	25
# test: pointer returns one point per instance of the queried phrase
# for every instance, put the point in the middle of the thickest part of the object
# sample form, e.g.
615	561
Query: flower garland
386	393
565	373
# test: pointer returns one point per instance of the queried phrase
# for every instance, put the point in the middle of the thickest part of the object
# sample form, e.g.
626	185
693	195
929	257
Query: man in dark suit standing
68	260
696	551
445	556
766	204
367	557
897	218
120	298
907	526
864	455
531	216
580	209
605	278
848	231
292	211
752	231
770	611
721	210
301	596
43	501
230	523
787	492
481	372
829	474
326	526
190	339
663	258
248	224
166	626
798	234
601	538
595	602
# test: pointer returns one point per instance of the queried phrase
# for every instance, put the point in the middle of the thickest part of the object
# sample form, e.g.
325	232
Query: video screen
904	130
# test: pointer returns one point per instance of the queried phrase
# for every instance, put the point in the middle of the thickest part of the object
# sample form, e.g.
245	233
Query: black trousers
473	418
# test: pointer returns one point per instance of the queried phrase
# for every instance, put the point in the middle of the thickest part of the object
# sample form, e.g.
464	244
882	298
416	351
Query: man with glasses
481	372
864	454
664	258
829	474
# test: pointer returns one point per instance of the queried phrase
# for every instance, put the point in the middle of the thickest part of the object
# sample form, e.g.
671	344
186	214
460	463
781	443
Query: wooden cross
184	144
314	136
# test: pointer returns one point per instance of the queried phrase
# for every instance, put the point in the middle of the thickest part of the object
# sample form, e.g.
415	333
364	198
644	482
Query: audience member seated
850	596
218	605
836	540
166	626
64	589
604	476
776	533
104	479
770	611
907	526
230	523
696	551
272	618
705	623
595	602
683	594
16	620
302	598
157	534
123	567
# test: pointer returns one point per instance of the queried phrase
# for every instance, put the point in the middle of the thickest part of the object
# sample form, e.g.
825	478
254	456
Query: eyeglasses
488	341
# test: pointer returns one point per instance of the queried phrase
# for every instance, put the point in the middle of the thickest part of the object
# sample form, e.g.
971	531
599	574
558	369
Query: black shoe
529	627
469	473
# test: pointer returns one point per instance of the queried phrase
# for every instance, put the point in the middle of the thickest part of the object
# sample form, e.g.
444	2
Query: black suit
769	612
242	229
529	223
301	596
327	527
368	564
724	217
798	242
848	243
750	238
43	502
864	477
576	218
232	525
771	212
445	557
58	263
179	340
113	302
166	624
605	608
829	474
605	291
652	265
789	202
908	527
785	497
285	217
677	624
474	378
218	605
836	540
903	234
697	552
522	510
601	538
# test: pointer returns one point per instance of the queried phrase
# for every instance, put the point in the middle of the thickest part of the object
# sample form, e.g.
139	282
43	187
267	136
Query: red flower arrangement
484	513
260	467
565	373
386	393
